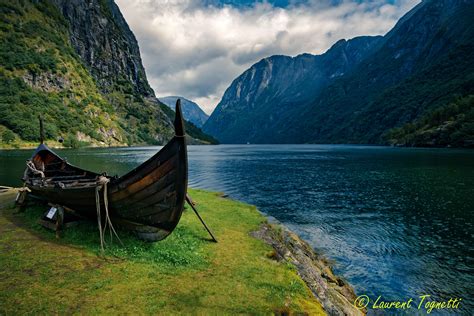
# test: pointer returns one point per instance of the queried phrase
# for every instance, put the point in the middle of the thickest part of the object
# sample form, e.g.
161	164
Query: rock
46	81
334	294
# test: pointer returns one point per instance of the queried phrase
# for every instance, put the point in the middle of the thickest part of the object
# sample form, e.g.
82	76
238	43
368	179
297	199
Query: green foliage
20	106
49	10
72	142
197	133
449	125
8	136
6	7
15	54
18	48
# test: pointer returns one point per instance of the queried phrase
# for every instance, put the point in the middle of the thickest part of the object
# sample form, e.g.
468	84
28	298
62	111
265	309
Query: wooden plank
166	197
134	226
47	224
59	222
161	217
154	188
69	198
145	181
149	200
165	201
171	149
70	211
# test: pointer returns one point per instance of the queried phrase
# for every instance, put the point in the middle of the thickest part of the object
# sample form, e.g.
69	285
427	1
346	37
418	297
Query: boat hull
148	200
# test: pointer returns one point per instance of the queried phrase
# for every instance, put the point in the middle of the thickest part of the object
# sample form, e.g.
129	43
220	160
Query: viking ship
148	200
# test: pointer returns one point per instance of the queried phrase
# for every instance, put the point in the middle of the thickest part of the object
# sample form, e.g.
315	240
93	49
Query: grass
22	144
184	274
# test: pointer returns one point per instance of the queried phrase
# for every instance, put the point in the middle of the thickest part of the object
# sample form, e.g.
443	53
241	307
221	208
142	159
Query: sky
196	48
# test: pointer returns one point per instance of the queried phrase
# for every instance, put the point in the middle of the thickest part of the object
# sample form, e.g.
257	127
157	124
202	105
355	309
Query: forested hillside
78	65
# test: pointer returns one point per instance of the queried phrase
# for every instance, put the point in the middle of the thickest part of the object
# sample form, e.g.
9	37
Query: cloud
195	49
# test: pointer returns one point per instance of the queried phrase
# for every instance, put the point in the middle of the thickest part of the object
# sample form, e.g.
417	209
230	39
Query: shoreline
334	295
56	145
92	147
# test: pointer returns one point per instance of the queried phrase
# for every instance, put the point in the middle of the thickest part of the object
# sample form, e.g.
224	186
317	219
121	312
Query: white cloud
195	50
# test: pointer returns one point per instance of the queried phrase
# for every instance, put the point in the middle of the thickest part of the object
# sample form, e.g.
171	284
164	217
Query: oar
191	203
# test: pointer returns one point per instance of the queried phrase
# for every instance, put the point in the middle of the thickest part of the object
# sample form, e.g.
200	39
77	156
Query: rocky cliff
278	87
101	37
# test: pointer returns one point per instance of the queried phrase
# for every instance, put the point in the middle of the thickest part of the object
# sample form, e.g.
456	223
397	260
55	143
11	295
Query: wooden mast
41	129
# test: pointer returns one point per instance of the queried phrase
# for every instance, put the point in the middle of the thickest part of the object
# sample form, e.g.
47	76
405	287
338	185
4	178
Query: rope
31	166
102	185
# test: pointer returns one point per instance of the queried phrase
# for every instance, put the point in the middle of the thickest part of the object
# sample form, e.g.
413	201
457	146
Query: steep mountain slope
423	63
274	89
78	65
191	111
101	37
451	125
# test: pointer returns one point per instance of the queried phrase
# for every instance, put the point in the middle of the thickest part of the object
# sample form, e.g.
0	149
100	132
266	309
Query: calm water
397	222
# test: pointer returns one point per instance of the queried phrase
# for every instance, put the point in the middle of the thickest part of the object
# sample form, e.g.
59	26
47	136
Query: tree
8	136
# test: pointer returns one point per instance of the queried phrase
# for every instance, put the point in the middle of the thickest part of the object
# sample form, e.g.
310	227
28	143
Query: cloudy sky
195	48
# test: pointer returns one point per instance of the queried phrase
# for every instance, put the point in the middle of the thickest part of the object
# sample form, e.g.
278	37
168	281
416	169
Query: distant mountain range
191	111
373	90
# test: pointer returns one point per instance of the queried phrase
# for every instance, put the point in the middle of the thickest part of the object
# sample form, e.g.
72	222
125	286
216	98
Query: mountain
260	100
78	64
425	62
191	111
198	136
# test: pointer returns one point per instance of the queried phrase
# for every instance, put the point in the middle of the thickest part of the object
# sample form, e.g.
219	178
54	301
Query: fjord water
397	222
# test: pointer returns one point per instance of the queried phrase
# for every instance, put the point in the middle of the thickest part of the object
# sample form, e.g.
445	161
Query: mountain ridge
191	110
310	74
400	68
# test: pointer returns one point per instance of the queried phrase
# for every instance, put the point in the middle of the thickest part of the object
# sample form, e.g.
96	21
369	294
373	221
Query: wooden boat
148	200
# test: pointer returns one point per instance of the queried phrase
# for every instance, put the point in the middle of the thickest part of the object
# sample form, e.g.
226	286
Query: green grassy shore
184	274
22	144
